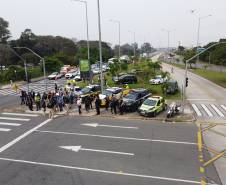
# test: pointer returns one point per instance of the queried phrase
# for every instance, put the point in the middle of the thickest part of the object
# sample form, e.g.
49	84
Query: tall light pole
42	59
134	42
198	33
168	39
119	37
87	26
25	66
100	47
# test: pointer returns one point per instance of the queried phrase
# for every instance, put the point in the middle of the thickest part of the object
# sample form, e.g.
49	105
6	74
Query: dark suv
125	79
134	99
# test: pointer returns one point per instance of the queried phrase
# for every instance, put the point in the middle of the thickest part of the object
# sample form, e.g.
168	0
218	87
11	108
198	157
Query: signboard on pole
200	50
84	66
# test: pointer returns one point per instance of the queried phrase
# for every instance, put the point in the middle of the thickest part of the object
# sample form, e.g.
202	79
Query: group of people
60	100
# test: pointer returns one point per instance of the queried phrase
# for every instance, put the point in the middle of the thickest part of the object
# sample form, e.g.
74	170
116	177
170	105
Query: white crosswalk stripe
36	87
223	107
13	120
4	129
207	110
10	124
217	110
196	110
19	114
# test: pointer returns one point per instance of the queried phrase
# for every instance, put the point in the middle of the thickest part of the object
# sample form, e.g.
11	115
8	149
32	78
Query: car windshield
149	102
86	90
131	96
107	93
158	77
54	73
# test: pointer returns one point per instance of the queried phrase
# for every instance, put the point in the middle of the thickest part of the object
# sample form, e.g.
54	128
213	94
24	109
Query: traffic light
186	81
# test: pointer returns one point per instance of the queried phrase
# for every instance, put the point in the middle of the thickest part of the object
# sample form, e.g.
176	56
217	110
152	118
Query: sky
147	18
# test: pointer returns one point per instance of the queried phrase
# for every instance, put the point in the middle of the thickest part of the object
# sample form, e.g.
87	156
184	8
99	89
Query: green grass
216	77
143	81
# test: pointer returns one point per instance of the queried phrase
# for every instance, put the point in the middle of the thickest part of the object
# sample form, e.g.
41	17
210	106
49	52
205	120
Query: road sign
200	50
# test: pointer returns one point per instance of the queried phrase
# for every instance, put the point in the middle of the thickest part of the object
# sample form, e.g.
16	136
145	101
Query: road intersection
100	155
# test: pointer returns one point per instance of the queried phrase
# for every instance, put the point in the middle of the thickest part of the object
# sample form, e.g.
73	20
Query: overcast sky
146	17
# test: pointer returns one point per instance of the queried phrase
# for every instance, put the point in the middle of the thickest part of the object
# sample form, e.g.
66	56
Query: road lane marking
111	126
196	110
115	137
223	107
18	114
78	148
14	119
201	99
4	129
217	110
100	171
10	124
3	148
207	110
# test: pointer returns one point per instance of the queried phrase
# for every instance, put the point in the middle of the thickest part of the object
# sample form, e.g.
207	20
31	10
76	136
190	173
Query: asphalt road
208	102
114	152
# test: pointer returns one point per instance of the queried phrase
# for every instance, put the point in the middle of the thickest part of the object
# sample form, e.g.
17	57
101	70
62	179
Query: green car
152	106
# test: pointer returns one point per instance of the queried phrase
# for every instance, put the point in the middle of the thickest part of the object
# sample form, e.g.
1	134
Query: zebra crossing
36	87
9	121
209	110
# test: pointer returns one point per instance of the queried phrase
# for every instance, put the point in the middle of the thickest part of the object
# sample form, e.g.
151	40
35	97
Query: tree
188	54
146	48
52	64
4	31
154	66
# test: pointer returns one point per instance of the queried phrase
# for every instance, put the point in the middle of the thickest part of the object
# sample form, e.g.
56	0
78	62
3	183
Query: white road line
4	130
201	99
111	126
14	119
217	110
196	110
3	148
207	110
18	114
115	137
10	124
100	171
223	107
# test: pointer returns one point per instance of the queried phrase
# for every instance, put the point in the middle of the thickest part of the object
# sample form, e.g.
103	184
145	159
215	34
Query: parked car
171	87
158	80
54	76
152	106
96	71
113	91
71	74
134	99
125	79
90	90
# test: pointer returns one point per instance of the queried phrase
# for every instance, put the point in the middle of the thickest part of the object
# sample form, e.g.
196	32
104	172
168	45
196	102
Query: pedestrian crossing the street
9	121
36	87
209	110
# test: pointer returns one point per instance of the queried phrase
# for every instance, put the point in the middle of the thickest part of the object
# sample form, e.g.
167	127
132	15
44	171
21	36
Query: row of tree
215	55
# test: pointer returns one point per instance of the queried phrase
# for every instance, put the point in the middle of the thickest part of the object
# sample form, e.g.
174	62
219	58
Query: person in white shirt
79	104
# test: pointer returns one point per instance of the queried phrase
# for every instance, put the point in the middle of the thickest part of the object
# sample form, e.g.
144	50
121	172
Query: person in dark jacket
30	102
97	105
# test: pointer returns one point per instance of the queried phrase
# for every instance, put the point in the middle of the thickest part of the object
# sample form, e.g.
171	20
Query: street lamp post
119	37
134	42
25	66
100	47
42	59
198	33
168	39
186	69
87	26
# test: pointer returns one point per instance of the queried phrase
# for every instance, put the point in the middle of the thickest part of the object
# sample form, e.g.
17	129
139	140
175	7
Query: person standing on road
97	104
43	102
30	102
56	88
114	104
38	101
79	104
87	103
107	103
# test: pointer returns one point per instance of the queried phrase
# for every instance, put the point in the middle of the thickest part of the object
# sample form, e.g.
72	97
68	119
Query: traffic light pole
186	70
